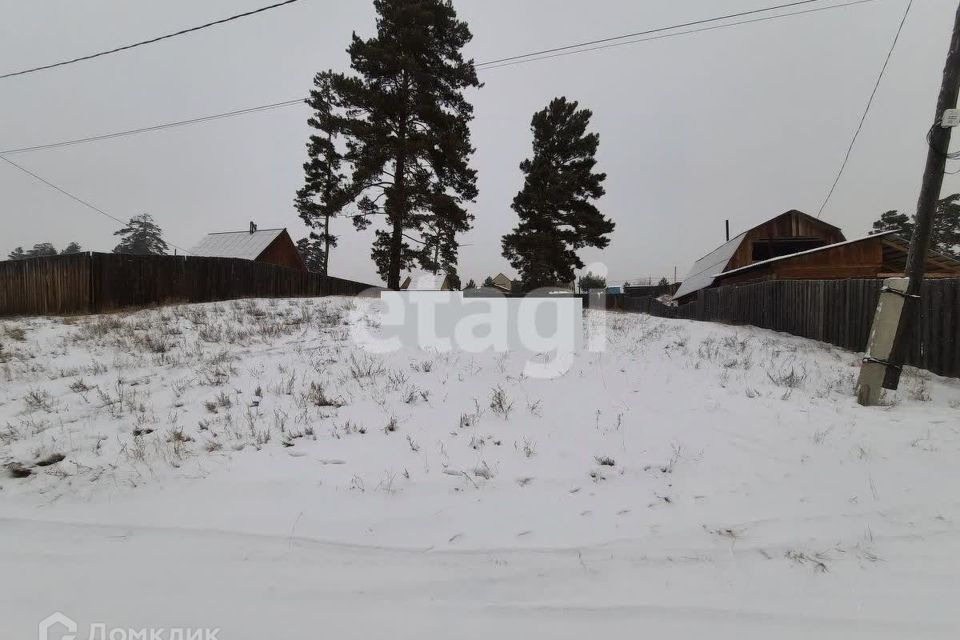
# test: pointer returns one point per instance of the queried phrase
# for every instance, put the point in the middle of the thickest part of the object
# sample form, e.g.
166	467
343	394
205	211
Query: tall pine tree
399	126
142	236
557	215
323	194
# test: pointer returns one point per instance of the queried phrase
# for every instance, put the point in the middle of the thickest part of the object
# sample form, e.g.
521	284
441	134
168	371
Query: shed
269	246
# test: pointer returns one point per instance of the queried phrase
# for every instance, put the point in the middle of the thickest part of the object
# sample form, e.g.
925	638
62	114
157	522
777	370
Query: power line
156	127
146	42
856	134
648	32
483	66
73	197
678	33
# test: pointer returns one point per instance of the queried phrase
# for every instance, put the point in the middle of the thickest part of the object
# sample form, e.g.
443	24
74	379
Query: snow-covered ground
244	465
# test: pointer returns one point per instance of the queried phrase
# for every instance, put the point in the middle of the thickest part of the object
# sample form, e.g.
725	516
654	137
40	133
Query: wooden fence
839	312
100	282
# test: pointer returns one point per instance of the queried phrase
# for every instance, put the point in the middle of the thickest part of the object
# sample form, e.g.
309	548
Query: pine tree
488	282
313	250
453	278
945	234
142	236
471	284
400	127
946	228
17	254
72	248
893	221
555	207
323	194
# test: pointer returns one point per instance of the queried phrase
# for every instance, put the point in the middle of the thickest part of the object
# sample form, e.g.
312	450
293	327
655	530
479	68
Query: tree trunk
326	216
398	207
326	244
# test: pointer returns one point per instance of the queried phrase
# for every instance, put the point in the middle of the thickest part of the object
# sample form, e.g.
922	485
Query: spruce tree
557	215
399	127
142	236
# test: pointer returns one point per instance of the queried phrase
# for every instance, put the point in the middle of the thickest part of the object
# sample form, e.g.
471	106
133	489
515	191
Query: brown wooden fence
836	311
100	282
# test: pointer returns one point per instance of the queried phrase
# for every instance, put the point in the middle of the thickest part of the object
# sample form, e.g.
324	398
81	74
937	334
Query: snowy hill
691	478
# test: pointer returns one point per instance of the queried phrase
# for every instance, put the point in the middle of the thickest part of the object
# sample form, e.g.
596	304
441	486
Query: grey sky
741	123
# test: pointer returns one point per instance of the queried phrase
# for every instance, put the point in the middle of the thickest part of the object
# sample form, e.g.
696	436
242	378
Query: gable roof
236	244
706	269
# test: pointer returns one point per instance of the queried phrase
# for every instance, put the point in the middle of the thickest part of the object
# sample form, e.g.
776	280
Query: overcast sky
740	123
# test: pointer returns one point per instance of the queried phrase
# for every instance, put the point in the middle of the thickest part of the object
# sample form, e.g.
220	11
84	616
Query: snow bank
692	472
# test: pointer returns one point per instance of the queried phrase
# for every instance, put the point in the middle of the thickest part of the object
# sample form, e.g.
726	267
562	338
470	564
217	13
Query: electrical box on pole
887	348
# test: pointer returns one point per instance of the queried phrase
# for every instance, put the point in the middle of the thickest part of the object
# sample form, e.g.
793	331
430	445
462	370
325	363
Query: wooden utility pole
939	139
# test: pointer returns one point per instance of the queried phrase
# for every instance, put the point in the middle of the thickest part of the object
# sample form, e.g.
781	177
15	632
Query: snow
693	478
423	281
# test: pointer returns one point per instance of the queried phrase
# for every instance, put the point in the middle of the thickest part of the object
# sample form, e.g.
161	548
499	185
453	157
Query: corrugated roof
705	269
882	234
236	244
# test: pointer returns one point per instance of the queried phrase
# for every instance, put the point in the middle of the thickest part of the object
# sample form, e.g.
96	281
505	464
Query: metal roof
705	270
826	247
236	244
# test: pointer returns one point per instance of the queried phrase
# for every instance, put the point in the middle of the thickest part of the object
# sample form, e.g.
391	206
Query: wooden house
269	246
797	246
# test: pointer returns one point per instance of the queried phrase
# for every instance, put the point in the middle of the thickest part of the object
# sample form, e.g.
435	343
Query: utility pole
885	357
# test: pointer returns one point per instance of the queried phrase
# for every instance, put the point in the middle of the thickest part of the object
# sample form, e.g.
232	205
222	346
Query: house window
776	247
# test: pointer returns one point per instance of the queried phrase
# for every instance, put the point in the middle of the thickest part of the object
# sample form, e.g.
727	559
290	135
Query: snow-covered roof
882	234
236	244
423	281
704	270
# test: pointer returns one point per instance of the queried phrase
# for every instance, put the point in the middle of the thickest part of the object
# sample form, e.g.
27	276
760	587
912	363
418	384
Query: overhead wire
863	118
483	66
142	43
74	197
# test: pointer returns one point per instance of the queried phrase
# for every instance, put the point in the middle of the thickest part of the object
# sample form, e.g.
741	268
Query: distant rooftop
423	281
236	244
